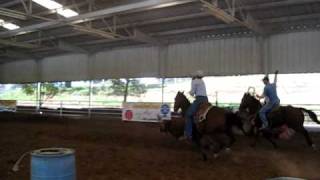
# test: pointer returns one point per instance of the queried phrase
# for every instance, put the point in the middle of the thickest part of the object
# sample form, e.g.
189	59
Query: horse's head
248	101
248	108
245	102
179	101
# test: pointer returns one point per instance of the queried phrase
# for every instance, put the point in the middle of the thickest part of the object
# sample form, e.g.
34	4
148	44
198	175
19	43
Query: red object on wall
129	115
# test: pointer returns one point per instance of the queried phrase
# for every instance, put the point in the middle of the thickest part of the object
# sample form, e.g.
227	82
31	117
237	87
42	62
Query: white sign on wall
145	112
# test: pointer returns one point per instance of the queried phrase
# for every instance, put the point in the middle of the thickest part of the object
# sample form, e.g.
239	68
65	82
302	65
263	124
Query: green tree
136	88
48	90
117	87
29	89
124	87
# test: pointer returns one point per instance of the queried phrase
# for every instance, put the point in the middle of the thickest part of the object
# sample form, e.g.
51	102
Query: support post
61	105
90	98
162	90
38	97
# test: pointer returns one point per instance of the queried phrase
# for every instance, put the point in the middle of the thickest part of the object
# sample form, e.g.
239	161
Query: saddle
273	114
202	112
275	109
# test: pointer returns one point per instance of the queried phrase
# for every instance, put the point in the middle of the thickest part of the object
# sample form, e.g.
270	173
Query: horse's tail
311	114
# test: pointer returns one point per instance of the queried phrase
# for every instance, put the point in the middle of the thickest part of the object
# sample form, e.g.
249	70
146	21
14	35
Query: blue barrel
53	164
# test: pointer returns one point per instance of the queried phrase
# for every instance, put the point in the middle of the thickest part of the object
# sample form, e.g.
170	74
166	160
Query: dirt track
110	149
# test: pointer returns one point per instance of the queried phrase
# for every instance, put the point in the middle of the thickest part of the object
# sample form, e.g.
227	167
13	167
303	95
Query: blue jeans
191	112
267	108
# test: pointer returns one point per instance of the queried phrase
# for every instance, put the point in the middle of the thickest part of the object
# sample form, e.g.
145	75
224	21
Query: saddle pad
203	111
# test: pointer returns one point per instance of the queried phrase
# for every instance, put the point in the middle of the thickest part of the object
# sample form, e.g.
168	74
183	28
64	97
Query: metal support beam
97	32
142	37
17	54
89	30
18	44
228	18
202	14
279	4
12	14
70	47
10	3
25	6
194	29
91	15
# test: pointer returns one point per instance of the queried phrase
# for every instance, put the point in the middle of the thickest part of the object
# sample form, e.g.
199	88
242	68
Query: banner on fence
145	112
8	105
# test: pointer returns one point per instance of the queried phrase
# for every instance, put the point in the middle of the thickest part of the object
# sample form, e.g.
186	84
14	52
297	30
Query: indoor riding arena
119	89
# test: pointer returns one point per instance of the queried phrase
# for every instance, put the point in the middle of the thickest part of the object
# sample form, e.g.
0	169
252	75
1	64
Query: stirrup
182	138
264	127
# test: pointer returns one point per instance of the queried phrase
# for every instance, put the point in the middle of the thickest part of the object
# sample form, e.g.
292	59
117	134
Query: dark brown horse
207	134
288	116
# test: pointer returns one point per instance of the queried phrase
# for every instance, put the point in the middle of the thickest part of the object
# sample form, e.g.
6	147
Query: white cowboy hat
198	73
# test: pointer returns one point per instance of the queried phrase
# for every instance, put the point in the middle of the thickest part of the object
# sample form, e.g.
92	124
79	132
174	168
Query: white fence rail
69	107
87	108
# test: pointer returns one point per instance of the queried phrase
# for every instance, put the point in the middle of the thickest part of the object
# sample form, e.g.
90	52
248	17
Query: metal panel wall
294	52
18	71
133	62
64	68
290	53
215	57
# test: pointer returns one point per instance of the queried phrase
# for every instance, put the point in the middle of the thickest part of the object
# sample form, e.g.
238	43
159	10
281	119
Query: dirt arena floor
111	149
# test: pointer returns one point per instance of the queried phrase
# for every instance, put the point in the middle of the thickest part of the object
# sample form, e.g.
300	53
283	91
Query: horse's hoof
204	158
228	150
215	155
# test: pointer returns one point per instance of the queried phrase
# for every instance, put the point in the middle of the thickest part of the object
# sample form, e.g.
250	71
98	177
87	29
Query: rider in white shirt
198	90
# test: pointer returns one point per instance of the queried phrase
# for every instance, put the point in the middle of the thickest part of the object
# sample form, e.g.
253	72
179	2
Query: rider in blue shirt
272	99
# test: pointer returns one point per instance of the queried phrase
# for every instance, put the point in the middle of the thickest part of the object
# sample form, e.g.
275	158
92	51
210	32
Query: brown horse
288	116
207	134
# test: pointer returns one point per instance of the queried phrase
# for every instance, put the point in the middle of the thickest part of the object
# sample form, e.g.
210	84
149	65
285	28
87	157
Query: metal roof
107	24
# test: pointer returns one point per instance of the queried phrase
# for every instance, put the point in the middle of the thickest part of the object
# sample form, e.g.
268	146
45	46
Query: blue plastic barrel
53	164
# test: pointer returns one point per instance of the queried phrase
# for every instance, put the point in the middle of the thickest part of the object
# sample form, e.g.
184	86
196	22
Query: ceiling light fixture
7	25
57	7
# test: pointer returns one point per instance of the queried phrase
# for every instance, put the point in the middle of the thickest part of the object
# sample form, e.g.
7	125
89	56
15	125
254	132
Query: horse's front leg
268	136
256	136
209	143
232	139
244	132
200	145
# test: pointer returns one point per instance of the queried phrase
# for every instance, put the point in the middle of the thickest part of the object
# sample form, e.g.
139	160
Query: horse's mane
254	102
184	97
253	98
185	102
